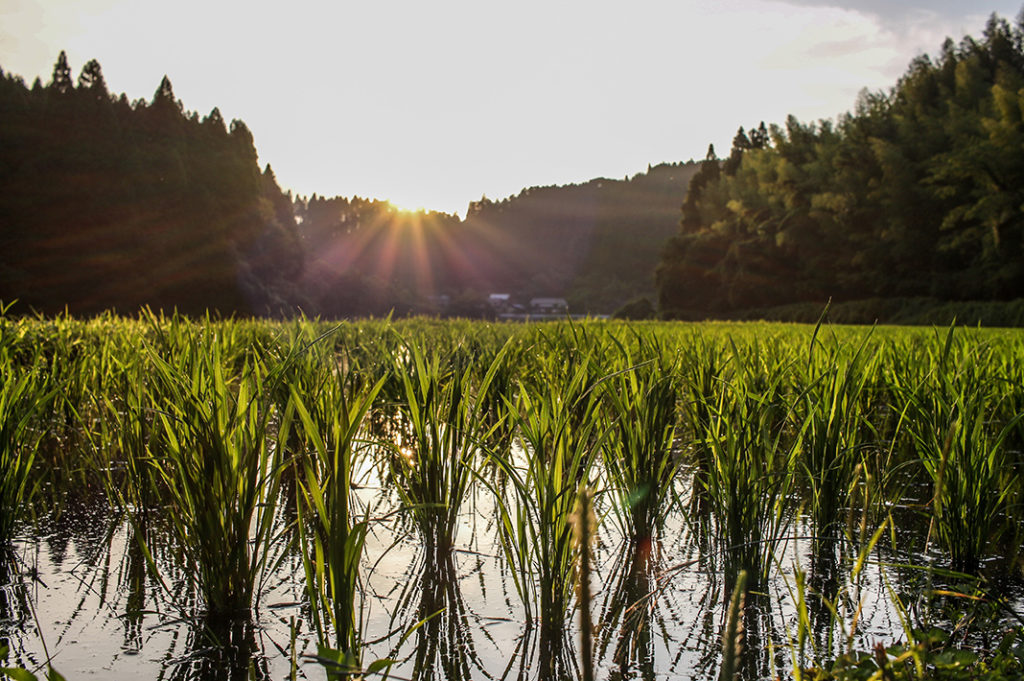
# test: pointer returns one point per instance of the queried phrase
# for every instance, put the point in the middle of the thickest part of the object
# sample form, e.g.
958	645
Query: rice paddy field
417	499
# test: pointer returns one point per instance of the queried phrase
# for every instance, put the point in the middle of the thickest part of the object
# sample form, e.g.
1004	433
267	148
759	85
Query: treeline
111	204
365	257
918	192
107	203
595	243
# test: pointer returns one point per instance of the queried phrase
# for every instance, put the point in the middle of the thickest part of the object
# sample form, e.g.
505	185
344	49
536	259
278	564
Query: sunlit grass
640	458
442	426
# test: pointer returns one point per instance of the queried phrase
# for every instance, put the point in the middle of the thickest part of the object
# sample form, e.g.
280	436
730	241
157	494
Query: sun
405	208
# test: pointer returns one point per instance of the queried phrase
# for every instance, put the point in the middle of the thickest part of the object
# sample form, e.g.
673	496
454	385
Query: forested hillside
918	192
106	203
595	243
111	204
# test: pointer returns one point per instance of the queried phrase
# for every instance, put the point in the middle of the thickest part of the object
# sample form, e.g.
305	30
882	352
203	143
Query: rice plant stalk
950	416
831	420
751	475
220	476
639	455
25	395
332	534
558	431
446	424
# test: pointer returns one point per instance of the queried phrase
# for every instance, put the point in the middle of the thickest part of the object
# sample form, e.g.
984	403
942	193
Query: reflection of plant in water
134	569
221	650
628	611
433	605
978	646
14	608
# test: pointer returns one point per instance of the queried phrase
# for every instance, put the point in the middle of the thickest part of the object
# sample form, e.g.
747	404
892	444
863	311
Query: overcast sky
436	103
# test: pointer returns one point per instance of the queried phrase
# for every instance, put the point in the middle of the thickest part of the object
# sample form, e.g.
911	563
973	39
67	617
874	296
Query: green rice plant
218	471
331	532
950	417
640	460
445	424
25	395
751	475
558	431
502	359
131	428
703	369
829	412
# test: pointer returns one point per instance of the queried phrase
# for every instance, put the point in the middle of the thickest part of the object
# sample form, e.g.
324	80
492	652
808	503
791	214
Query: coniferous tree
61	81
91	80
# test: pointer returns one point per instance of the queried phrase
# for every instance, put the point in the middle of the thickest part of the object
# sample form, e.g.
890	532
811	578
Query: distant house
501	302
557	306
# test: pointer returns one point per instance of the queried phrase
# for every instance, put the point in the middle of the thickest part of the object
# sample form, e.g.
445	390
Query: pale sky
436	103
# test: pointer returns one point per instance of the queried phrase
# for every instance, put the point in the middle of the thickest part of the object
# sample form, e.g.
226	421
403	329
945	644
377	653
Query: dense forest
111	204
918	192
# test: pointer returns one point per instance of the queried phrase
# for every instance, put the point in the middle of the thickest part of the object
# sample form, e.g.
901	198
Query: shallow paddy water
86	594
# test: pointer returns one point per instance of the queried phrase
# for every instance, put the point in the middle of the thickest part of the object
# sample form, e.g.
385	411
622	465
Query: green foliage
949	411
916	193
830	414
929	657
25	394
443	424
235	446
751	461
640	421
558	430
329	412
213	460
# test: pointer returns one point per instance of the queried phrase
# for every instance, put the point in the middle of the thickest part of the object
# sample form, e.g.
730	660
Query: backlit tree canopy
919	191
